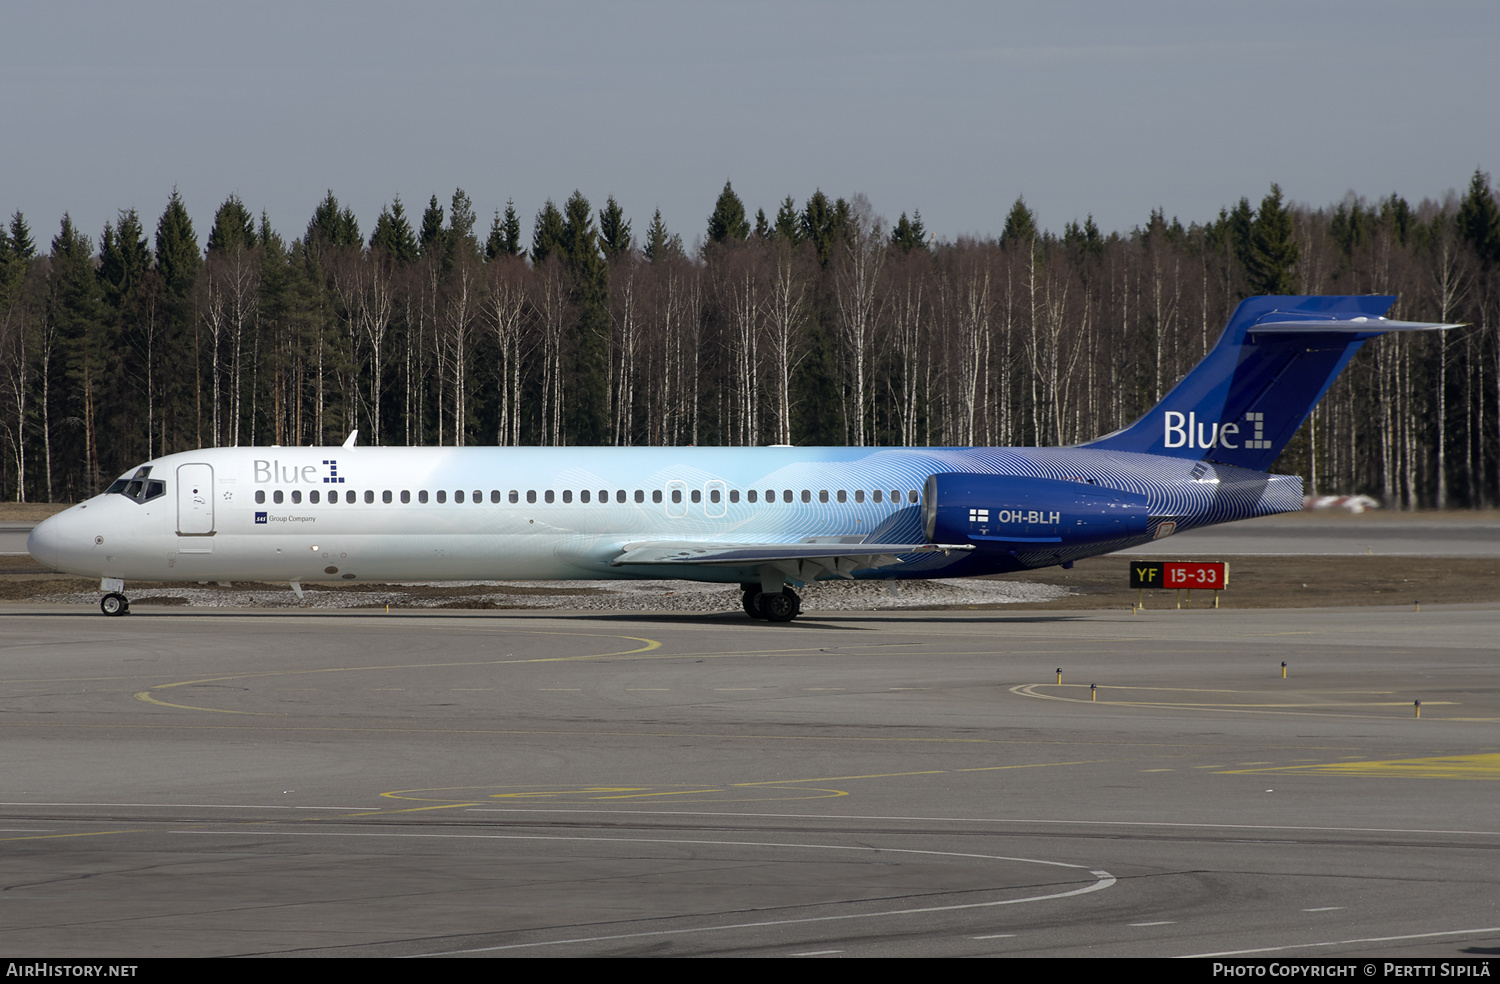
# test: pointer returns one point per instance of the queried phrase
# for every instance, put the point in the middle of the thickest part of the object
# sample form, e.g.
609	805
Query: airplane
769	519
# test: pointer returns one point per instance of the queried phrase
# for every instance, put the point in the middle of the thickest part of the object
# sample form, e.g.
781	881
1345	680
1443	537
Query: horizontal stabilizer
804	561
1346	326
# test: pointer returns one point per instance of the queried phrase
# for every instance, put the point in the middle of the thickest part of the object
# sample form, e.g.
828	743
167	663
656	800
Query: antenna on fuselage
352	436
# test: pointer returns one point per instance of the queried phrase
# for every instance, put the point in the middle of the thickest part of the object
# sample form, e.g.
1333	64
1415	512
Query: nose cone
52	543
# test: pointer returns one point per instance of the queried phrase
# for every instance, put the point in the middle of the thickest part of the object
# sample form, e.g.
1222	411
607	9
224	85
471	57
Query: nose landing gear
114	603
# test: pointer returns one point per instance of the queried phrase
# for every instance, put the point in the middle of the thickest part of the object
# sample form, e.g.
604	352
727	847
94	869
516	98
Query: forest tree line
817	324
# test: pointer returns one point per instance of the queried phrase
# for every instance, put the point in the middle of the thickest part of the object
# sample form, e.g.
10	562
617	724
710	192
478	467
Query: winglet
353	435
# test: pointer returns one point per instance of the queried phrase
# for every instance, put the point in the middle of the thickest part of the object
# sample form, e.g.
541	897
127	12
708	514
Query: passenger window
405	496
697	495
786	496
823	495
734	495
296	495
877	495
567	495
713	495
806	495
584	496
842	496
620	496
859	495
422	497
548	495
750	496
260	497
531	495
640	496
912	496
313	497
495	495
604	495
656	496
385	497
276	497
677	495
442	495
895	497
515	496
478	497
370	496
457	496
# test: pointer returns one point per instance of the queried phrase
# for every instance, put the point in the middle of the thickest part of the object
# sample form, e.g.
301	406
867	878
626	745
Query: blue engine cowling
1010	514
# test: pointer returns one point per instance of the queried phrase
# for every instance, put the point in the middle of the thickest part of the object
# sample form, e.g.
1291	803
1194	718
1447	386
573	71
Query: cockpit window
138	487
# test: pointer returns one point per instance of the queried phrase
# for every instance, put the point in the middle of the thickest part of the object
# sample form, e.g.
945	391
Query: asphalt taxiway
217	783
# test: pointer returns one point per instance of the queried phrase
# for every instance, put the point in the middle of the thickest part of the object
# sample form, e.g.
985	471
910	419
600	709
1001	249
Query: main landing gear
782	607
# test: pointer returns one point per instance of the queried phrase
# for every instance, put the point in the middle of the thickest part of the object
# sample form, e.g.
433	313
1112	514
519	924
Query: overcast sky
1101	106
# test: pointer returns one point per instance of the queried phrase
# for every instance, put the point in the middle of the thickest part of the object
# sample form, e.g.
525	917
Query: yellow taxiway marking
147	695
1485	765
603	793
90	833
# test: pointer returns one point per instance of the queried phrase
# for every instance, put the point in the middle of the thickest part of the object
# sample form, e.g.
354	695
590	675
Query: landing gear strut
114	603
781	607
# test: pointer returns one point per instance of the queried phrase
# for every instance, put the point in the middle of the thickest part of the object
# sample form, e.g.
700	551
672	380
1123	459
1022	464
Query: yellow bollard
1418	706
1059	674
1093	691
1283	669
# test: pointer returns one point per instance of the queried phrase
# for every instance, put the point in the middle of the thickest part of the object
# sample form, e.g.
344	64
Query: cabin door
195	500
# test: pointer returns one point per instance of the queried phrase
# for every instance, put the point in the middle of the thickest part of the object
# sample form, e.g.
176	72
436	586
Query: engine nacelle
1005	513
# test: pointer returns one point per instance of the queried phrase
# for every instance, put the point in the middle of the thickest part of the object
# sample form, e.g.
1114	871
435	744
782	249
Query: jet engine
1009	514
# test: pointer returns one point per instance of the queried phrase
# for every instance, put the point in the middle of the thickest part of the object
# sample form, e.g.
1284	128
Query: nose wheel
114	603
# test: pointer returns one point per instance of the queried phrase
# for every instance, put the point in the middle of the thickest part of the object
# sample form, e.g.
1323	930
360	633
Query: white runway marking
1484	931
1103	879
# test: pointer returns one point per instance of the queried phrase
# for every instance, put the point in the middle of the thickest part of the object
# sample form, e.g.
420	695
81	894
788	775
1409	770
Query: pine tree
393	235
728	219
1272	257
233	226
431	236
177	254
909	234
512	240
16	252
75	307
825	225
1020	227
124	259
788	224
462	243
1479	220
332	226
589	291
614	230
661	244
547	234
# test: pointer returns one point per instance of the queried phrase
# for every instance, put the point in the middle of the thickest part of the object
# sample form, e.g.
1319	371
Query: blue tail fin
1277	357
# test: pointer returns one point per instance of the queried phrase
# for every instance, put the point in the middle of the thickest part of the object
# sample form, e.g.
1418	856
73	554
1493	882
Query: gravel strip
674	596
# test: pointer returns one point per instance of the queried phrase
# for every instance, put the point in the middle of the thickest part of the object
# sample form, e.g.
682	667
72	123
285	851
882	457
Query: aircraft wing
804	561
